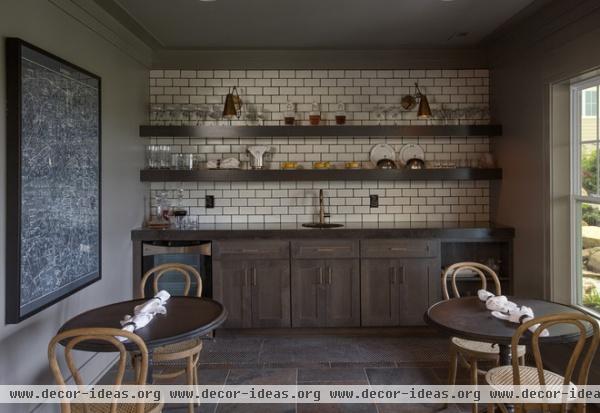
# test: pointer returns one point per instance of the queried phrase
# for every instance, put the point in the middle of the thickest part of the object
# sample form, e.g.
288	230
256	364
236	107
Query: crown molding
97	19
471	58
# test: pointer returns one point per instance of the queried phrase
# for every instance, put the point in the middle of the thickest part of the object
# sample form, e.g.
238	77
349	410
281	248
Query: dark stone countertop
356	230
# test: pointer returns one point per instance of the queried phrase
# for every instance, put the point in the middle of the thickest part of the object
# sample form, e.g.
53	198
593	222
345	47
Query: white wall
63	27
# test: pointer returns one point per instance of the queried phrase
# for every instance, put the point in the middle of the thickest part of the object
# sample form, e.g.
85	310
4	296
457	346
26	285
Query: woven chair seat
121	408
503	376
482	347
180	347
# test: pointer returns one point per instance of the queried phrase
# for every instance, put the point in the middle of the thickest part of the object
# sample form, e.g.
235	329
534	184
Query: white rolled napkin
520	315
230	163
131	324
484	295
212	164
500	303
144	313
155	305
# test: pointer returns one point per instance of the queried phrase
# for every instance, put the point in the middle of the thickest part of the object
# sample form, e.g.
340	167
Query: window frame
576	198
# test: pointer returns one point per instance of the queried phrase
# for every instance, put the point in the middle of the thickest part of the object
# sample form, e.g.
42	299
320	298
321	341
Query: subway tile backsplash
364	93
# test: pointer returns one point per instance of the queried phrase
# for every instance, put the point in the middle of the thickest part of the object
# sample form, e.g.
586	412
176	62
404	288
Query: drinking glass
151	156
170	110
156	110
165	152
187	111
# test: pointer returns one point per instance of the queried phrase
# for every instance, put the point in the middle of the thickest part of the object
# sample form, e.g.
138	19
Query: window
585	194
590	102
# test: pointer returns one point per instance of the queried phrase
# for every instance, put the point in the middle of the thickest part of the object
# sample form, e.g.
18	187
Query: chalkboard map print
60	178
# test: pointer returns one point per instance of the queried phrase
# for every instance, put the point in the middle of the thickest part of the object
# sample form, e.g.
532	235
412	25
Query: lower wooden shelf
170	175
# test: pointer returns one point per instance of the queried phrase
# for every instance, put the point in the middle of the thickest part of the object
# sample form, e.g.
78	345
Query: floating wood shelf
168	175
317	131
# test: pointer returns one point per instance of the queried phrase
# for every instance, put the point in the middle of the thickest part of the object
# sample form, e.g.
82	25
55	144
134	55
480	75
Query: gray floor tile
256	408
401	376
262	376
337	375
337	408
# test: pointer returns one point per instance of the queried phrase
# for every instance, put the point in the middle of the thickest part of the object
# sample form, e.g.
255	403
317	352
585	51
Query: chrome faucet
322	214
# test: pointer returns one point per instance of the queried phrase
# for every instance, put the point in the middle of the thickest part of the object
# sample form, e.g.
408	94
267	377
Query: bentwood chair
71	338
532	376
167	360
470	352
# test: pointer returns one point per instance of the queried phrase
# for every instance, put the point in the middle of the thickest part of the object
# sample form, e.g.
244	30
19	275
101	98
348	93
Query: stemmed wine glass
379	111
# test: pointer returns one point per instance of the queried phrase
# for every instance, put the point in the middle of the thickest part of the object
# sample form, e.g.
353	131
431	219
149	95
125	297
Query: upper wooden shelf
169	175
321	130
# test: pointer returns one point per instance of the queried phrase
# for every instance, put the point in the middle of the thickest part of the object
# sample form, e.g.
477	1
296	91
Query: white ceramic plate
411	151
382	151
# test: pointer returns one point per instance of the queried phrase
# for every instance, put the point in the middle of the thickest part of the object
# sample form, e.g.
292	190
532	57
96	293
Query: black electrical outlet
209	201
374	201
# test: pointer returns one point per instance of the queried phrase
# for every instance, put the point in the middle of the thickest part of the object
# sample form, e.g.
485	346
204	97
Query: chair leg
136	367
196	381
453	355
189	369
474	373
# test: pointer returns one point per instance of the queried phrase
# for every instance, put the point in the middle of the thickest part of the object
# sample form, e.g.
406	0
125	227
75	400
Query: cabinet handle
320	275
245	277
325	250
247	251
329	275
392	275
398	249
254	276
401	275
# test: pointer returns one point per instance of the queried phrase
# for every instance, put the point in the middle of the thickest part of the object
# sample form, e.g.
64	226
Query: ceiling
312	24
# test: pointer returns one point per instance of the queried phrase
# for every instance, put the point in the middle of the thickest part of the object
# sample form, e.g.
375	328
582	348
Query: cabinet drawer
251	249
325	249
415	248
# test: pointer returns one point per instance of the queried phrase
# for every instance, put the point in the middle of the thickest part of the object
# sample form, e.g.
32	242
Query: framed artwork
53	153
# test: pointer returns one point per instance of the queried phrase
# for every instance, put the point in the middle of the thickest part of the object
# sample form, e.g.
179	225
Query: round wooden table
186	318
468	318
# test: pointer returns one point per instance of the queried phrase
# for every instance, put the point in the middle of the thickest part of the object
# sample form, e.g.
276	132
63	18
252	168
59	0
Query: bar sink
322	225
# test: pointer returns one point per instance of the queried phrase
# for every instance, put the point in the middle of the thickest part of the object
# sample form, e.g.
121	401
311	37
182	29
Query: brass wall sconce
409	101
233	104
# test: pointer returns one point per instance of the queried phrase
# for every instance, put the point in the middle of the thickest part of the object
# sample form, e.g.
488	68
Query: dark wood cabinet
308	301
325	283
399	281
325	293
342	293
270	293
230	287
255	291
379	299
397	291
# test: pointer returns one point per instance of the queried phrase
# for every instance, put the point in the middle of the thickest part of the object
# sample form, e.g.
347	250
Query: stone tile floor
232	358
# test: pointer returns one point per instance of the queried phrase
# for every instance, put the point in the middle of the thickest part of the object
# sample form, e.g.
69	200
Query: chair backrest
186	271
480	269
71	338
582	323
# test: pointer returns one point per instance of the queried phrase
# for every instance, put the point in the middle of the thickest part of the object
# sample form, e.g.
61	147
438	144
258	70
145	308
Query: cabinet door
231	288
308	301
343	293
413	284
270	281
380	294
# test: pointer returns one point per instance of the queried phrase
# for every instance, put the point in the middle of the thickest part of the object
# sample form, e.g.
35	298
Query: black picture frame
53	193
